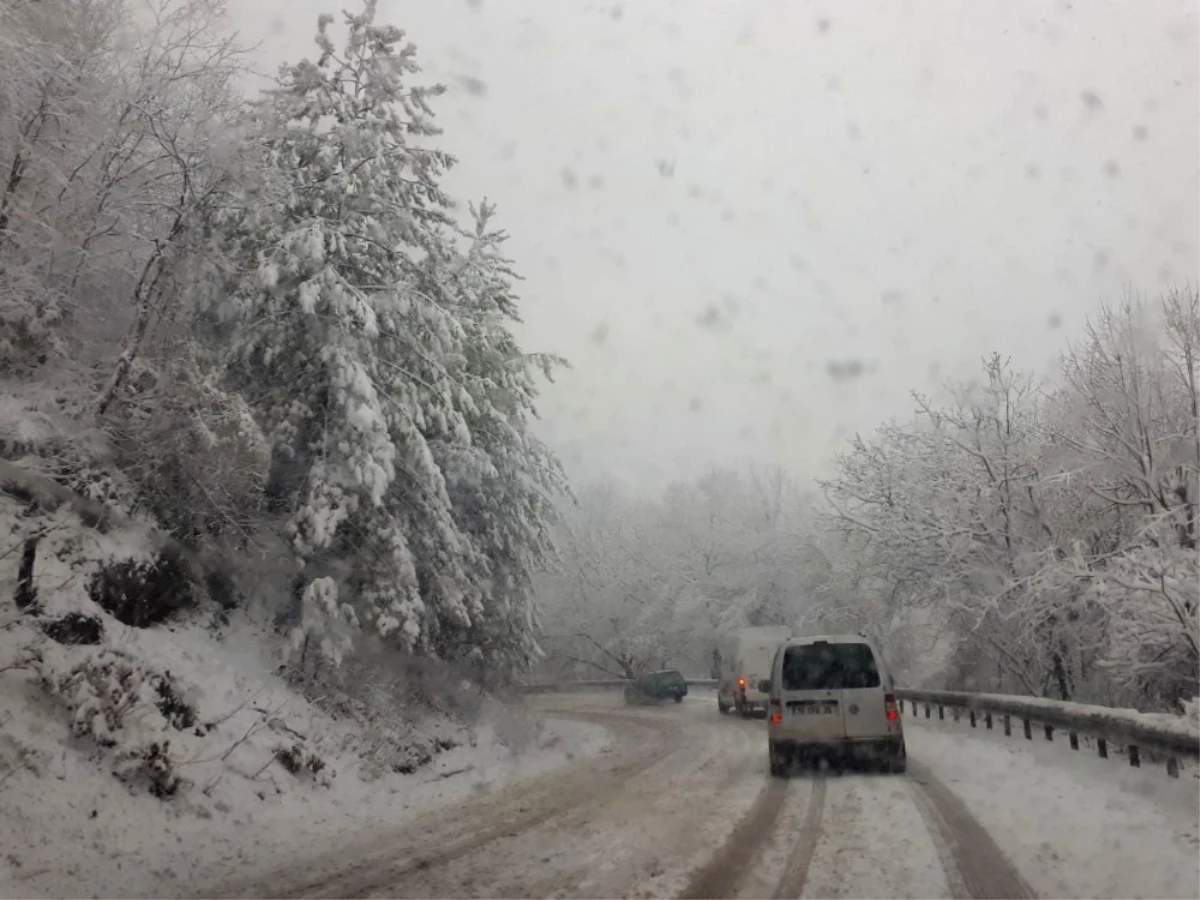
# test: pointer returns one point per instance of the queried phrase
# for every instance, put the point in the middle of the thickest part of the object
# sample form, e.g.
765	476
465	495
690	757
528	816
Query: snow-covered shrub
74	628
151	766
38	433
108	688
193	449
301	761
125	706
30	313
1149	593
326	626
1191	711
144	594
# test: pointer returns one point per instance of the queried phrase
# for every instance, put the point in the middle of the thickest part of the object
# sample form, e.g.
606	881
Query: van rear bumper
861	748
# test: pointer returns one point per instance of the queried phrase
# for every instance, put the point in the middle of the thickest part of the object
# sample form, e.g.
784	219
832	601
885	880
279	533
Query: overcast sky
753	227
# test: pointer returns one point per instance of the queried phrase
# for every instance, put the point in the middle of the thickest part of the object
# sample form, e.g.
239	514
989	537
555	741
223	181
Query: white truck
746	658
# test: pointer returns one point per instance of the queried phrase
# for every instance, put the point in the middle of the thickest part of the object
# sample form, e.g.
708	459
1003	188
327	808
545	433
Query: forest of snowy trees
258	323
1040	538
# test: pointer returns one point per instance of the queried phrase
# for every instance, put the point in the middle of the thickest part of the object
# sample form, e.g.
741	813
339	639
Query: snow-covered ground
1073	825
68	827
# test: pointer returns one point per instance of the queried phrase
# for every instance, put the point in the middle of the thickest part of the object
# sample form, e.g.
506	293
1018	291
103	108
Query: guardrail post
927	710
1007	725
1074	740
1028	730
987	719
957	713
1172	766
1102	747
1049	732
1135	758
941	711
972	718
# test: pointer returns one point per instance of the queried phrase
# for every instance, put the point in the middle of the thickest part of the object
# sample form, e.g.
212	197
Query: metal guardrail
1103	725
609	684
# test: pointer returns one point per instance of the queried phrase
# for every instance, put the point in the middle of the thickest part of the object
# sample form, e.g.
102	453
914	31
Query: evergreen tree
378	355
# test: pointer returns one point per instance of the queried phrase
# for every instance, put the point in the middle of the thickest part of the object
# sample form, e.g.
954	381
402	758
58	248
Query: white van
832	696
745	662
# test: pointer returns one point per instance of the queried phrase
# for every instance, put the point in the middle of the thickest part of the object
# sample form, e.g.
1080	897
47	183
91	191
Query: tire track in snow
720	876
872	842
444	835
633	842
791	884
982	869
731	870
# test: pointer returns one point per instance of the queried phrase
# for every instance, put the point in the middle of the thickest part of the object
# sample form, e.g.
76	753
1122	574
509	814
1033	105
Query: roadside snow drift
1073	824
147	761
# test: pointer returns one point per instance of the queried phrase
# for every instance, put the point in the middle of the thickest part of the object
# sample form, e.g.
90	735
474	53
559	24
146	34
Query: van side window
829	667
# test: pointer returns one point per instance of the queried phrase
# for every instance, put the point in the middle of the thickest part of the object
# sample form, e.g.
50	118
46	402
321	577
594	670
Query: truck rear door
755	666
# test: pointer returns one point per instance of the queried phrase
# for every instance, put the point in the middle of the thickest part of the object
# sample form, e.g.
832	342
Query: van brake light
776	712
889	706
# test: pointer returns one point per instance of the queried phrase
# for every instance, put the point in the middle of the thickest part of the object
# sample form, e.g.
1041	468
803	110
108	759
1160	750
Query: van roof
828	638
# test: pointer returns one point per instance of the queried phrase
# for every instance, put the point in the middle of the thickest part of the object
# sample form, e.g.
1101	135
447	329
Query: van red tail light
889	705
776	712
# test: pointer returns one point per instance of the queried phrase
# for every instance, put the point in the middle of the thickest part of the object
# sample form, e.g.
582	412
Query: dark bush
296	759
154	767
221	588
75	628
15	490
175	710
144	594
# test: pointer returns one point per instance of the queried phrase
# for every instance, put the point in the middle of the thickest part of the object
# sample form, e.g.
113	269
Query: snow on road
657	802
874	843
682	805
635	822
1073	825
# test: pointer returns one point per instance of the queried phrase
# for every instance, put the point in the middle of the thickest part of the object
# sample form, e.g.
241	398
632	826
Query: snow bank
69	828
1073	824
168	757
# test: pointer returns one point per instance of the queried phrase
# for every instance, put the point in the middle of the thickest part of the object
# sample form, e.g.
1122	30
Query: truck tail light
742	685
889	706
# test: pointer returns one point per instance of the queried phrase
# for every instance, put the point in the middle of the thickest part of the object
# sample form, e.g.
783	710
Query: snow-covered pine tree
502	483
377	356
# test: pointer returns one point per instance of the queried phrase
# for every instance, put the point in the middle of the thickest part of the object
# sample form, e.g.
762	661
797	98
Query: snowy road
681	805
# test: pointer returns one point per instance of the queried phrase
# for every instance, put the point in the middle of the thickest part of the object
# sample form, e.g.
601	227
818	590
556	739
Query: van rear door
810	683
864	709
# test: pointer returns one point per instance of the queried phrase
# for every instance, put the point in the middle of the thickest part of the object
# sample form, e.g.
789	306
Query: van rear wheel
778	764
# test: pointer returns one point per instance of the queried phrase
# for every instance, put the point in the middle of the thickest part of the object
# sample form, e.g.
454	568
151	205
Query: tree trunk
1060	675
25	596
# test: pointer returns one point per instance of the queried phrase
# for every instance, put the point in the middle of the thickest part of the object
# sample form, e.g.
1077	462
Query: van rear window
828	667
